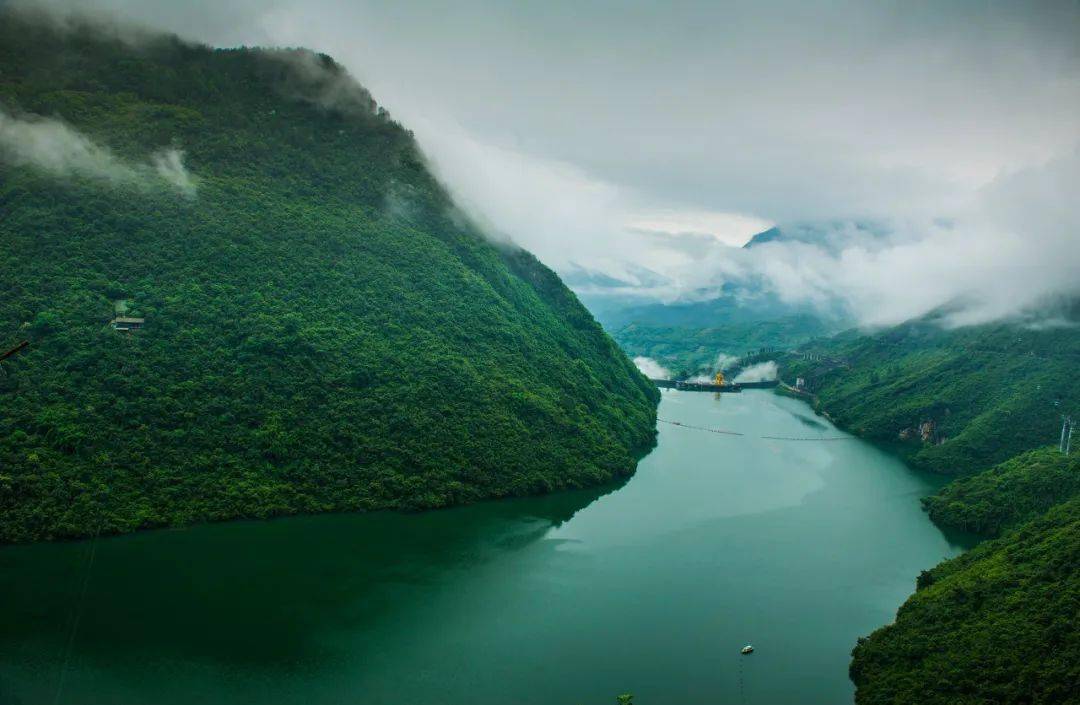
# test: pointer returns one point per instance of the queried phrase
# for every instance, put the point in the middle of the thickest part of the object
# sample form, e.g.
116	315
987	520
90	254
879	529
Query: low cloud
56	148
761	372
724	361
75	17
169	164
954	127
1009	253
651	368
318	79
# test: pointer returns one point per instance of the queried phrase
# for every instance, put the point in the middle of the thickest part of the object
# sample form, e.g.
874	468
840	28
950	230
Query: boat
748	649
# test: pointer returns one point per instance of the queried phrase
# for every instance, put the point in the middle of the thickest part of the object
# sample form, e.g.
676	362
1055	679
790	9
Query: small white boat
748	649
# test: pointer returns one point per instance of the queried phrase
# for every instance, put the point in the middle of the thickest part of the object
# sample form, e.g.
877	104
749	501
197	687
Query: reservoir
650	587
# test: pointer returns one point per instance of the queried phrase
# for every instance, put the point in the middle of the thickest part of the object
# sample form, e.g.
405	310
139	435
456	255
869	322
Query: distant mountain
689	336
830	236
743	316
735	304
592	281
770	235
690	351
321	329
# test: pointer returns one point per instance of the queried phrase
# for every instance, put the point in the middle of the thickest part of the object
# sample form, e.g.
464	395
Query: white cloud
169	164
651	368
724	361
56	148
758	373
650	137
1010	251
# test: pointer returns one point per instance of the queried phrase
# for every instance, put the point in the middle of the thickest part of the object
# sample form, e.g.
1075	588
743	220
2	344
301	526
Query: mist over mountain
955	129
236	285
318	326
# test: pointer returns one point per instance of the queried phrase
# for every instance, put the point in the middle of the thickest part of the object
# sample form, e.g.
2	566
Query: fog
56	148
651	368
760	372
629	138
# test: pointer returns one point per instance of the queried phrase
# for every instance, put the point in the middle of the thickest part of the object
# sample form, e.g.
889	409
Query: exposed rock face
925	431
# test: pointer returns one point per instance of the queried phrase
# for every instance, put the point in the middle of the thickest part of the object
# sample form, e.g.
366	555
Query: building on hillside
127	323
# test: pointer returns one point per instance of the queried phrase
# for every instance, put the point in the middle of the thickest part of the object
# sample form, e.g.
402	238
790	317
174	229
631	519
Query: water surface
650	587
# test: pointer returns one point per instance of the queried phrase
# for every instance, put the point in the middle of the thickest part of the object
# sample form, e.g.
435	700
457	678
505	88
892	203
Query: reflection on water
810	421
296	577
650	587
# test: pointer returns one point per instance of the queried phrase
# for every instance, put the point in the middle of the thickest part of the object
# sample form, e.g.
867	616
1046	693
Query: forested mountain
323	330
688	351
688	337
952	401
1008	494
998	624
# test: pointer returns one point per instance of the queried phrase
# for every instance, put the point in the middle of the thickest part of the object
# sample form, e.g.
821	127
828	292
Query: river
650	587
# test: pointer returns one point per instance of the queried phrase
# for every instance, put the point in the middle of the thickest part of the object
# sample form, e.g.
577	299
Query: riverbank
650	587
996	624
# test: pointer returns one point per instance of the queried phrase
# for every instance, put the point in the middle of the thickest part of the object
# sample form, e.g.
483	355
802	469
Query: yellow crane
720	379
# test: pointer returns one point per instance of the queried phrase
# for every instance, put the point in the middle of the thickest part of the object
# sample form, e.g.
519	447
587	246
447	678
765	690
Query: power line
702	428
724	432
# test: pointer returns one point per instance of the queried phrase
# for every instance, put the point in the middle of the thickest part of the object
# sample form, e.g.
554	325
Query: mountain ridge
324	330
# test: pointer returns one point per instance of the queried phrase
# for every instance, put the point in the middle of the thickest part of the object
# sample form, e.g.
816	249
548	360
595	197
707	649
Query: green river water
650	587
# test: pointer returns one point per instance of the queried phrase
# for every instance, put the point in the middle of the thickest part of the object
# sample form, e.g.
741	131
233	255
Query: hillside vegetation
689	351
1008	494
952	401
996	625
323	329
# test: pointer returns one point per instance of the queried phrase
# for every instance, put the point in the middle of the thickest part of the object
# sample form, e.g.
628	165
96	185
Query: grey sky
577	127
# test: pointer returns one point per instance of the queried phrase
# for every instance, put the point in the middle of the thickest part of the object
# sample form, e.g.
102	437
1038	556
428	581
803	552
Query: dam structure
726	388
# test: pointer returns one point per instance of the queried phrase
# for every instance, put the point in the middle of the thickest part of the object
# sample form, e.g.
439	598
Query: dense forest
998	624
1008	494
323	329
953	401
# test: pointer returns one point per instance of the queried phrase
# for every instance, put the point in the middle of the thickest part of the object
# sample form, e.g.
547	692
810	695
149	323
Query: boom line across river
724	432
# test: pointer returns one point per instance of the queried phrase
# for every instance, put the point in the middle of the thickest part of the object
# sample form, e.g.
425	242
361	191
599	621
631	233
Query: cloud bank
651	368
653	137
1014	250
760	372
52	146
62	151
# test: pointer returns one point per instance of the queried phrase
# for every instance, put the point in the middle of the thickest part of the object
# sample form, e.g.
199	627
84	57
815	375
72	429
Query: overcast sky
617	134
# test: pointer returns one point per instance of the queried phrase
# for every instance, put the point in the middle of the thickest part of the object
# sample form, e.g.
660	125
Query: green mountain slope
1008	494
953	401
323	330
996	625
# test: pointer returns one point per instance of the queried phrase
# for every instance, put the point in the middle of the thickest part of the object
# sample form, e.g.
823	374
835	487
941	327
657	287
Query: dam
726	388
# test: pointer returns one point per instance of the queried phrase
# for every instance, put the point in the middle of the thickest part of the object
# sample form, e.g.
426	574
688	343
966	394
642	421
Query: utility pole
1066	434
